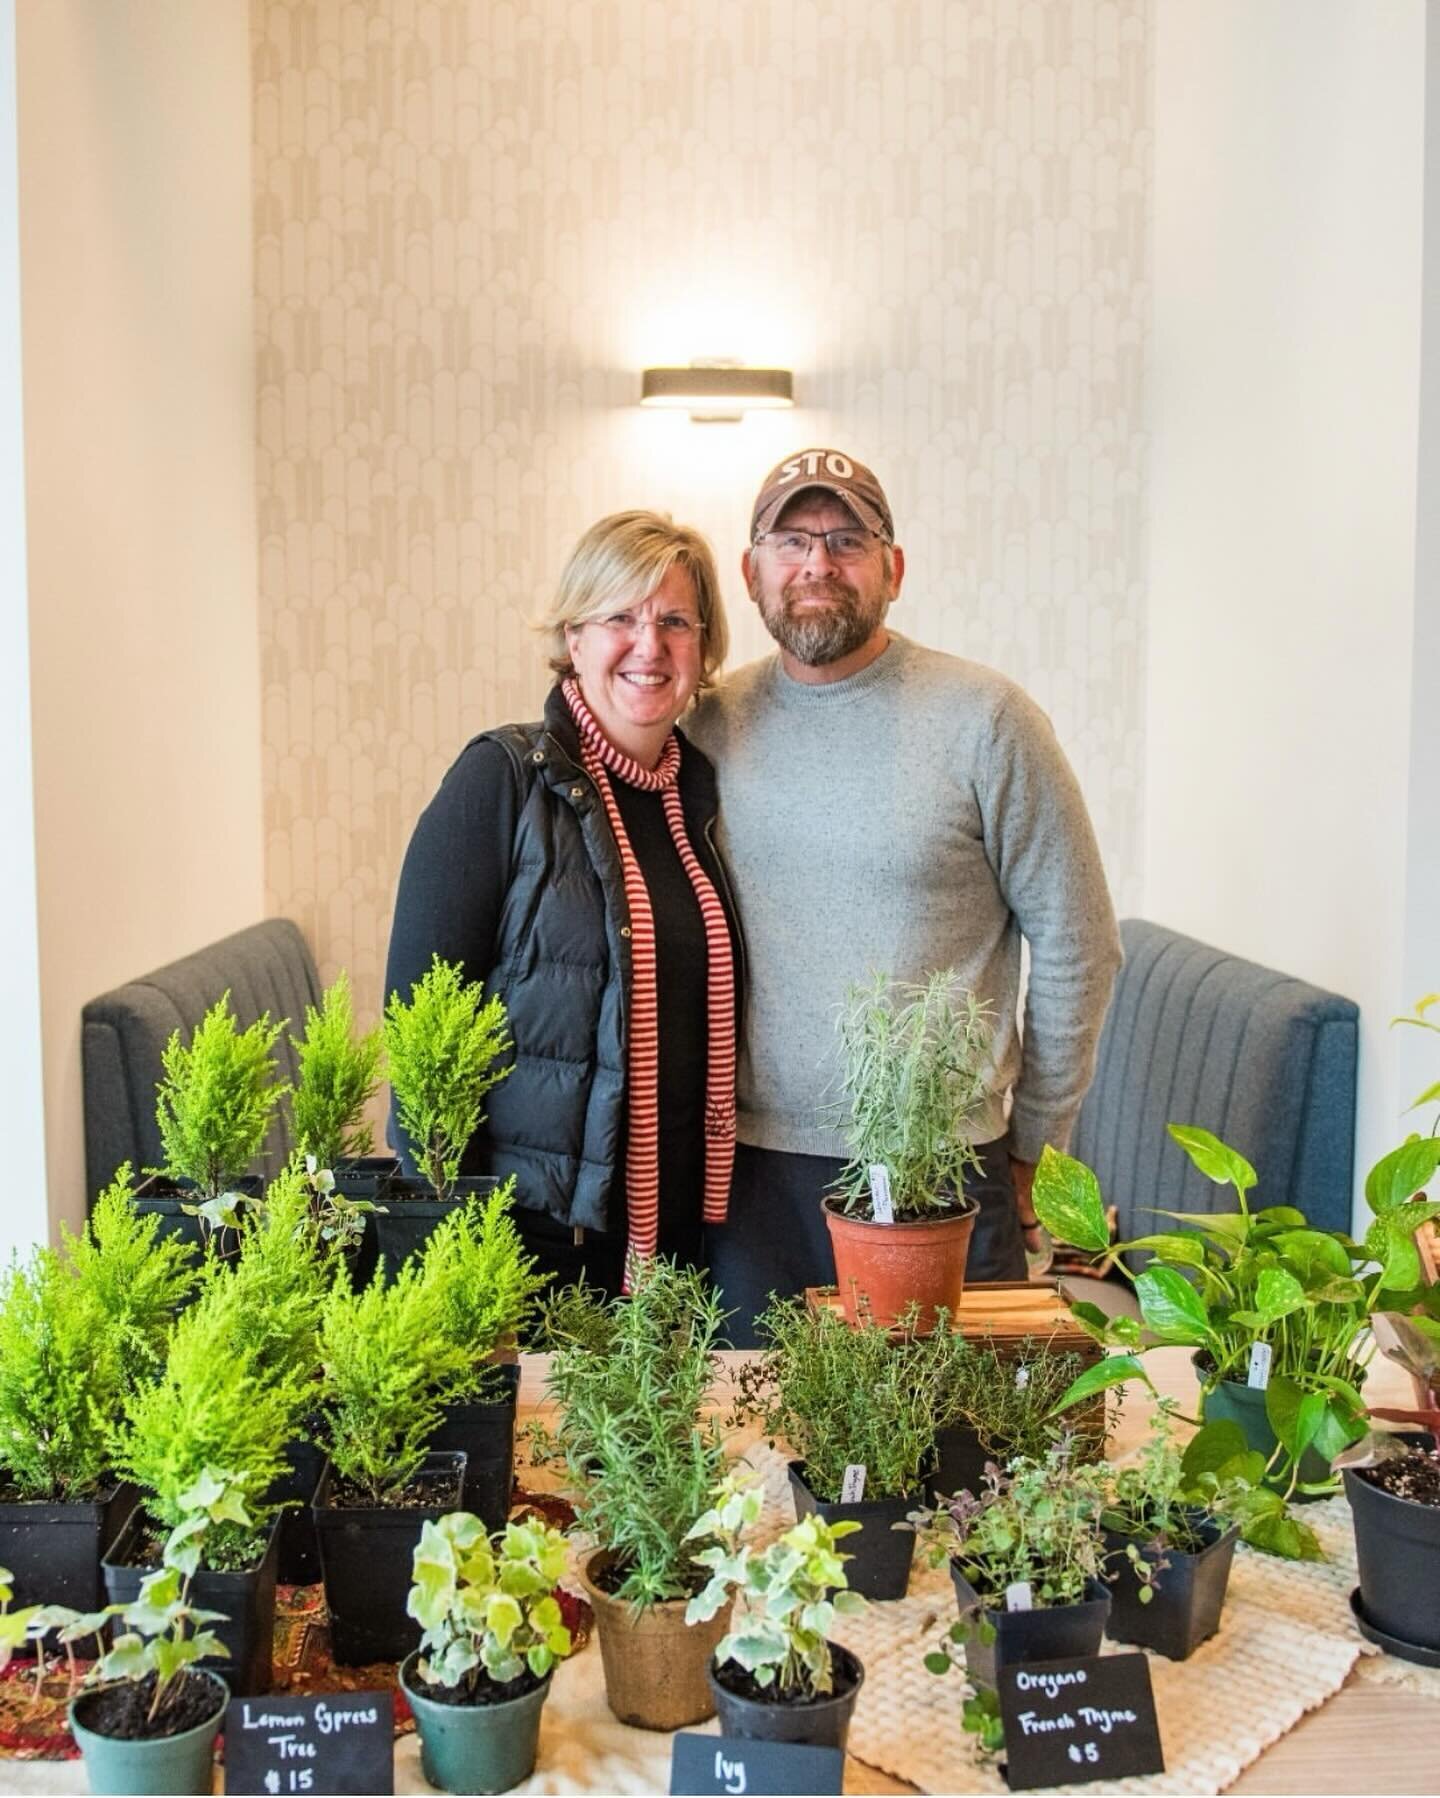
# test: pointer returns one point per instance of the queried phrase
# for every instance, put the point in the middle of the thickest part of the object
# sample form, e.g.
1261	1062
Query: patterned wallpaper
476	221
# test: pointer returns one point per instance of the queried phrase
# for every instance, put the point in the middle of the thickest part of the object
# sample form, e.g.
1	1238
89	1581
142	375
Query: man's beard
819	637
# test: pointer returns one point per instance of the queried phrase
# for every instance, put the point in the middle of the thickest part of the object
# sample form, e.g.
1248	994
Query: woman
570	865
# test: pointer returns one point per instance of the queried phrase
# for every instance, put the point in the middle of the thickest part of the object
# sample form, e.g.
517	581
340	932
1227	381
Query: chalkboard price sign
741	1767
287	1747
1071	1722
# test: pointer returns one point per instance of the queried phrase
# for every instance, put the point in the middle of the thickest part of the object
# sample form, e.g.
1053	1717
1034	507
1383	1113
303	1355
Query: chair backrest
1267	1062
266	968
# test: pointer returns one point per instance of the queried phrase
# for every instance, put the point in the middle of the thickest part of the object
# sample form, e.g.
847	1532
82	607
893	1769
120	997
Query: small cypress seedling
339	1073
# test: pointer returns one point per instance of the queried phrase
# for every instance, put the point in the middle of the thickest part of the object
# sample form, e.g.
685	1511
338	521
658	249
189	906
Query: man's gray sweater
918	815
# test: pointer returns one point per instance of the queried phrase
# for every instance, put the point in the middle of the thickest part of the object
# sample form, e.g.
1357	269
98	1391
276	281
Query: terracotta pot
656	1665
880	1269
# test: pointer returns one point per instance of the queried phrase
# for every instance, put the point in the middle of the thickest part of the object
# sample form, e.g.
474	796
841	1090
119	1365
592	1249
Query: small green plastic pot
1245	1405
475	1748
164	1764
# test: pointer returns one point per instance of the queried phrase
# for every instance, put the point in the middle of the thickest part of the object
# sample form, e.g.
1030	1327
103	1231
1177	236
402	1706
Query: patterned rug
33	1725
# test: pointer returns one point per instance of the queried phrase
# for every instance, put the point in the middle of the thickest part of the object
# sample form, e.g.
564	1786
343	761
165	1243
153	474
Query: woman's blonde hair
620	561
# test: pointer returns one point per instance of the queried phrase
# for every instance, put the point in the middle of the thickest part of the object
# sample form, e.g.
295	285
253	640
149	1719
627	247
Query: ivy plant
486	1605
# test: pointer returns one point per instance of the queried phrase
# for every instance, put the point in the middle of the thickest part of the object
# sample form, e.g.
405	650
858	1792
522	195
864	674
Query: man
885	807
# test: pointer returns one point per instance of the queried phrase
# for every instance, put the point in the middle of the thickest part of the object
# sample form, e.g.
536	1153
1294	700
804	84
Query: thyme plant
339	1073
1009	1401
442	1049
641	1453
841	1395
215	1101
485	1285
914	1065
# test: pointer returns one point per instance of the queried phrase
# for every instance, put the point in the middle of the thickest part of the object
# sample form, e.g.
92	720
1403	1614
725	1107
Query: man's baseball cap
836	473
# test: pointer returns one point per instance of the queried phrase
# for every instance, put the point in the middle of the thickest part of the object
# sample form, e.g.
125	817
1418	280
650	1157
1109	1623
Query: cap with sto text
850	481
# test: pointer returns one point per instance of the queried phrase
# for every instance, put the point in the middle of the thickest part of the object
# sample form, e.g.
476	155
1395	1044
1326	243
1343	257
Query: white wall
22	1102
1287	240
135	133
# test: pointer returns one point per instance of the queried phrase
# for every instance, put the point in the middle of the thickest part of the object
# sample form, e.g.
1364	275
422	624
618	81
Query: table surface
1363	1739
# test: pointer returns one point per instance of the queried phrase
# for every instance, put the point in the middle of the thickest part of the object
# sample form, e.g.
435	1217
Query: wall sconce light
717	392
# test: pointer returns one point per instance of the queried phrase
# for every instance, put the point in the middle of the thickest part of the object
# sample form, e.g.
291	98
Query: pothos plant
1254	1275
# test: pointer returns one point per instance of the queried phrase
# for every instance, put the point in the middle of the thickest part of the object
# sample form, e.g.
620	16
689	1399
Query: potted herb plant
642	1456
78	1326
776	1677
338	1075
486	1286
1171	1537
492	1634
444	1051
222	1406
914	1061
388	1370
148	1720
1026	1560
990	1407
213	1106
1262	1286
847	1398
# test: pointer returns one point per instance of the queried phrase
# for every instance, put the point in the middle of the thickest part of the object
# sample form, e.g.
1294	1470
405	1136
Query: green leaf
1212	1447
1312	1253
1112	1371
1067	1200
1173	1245
1215	1159
1283	1536
1400	1174
1277	1294
936	1662
1293	1413
1171	1307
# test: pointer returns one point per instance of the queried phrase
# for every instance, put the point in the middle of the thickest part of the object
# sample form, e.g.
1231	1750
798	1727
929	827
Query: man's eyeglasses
845	545
676	627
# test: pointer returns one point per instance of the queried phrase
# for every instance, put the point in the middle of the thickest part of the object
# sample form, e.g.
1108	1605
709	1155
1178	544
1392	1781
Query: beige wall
135	133
1286	375
476	223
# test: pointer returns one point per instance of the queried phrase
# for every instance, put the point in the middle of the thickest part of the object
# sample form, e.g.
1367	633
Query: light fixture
717	392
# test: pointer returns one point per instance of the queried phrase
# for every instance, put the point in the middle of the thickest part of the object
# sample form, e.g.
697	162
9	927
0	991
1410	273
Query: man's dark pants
775	1239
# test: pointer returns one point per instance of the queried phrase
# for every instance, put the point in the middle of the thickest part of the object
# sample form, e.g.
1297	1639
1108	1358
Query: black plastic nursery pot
1187	1593
365	1557
412	1212
1059	1632
817	1722
53	1550
363	1176
486	1436
167	1199
959	1463
246	1602
879	1566
299	1563
1397	1548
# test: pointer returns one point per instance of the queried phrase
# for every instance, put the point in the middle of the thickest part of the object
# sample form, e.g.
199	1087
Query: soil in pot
763	1714
656	1665
476	1740
1187	1593
880	1555
882	1269
1396	1509
108	1725
1053	1633
53	1550
245	1600
365	1556
412	1211
486	1435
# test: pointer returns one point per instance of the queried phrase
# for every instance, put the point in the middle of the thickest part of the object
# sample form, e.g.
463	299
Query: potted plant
152	1707
1393	1485
1256	1278
1026	1560
914	1065
442	1049
776	1677
844	1397
492	1634
1171	1536
486	1286
223	1400
990	1407
388	1370
642	1456
78	1326
338	1073
213	1106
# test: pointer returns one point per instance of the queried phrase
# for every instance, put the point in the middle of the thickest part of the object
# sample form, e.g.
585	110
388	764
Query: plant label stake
1071	1722
852	1487
1018	1596
341	1743
740	1766
1259	1375
881	1204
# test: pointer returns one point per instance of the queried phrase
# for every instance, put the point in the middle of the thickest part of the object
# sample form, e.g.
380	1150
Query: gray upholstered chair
266	968
1267	1062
